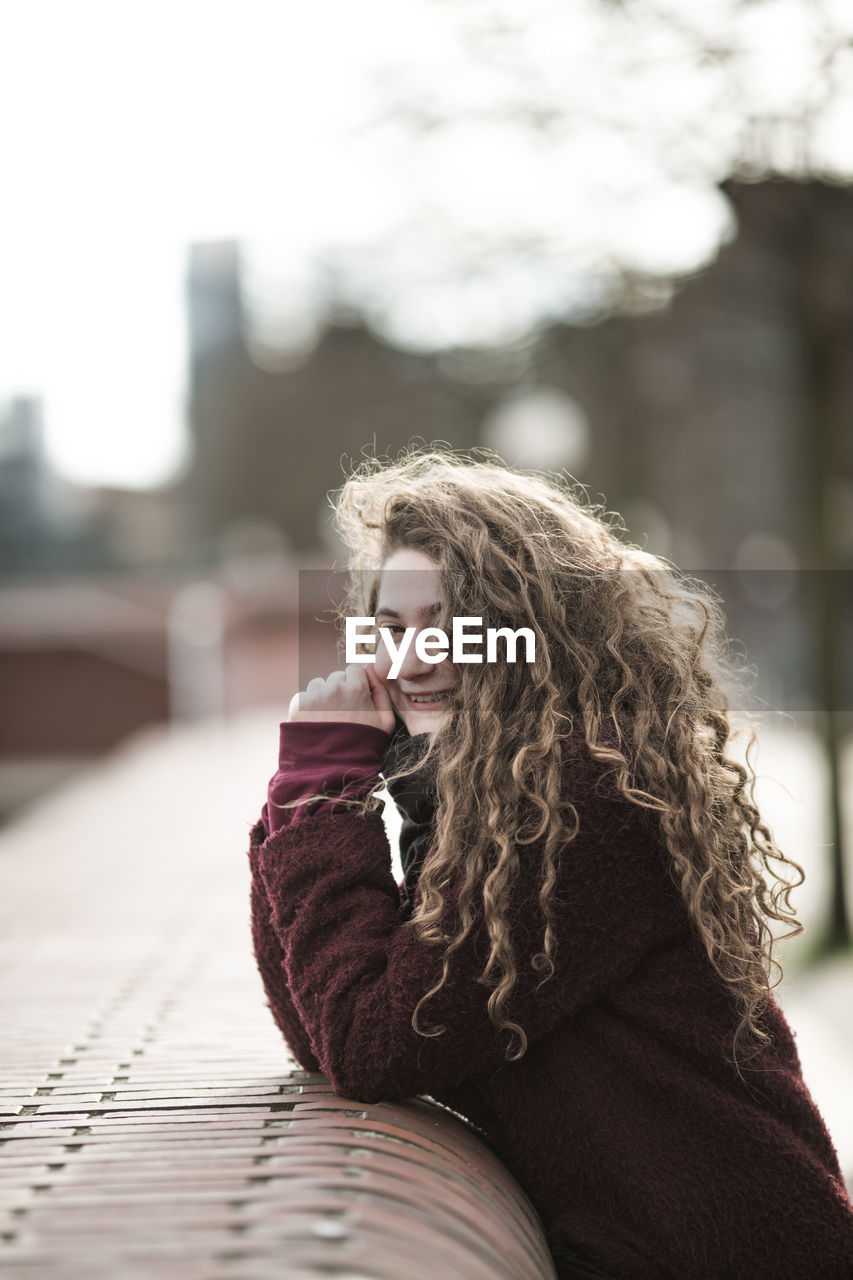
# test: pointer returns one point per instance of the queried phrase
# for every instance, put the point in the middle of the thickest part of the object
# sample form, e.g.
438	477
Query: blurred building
268	445
719	424
727	383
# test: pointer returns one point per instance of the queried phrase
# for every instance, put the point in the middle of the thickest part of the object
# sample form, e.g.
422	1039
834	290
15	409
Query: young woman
578	957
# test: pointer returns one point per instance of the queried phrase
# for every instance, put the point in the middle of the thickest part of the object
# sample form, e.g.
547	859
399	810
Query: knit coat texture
641	1144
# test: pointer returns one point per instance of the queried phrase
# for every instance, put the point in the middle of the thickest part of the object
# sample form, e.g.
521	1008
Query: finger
355	676
383	707
378	691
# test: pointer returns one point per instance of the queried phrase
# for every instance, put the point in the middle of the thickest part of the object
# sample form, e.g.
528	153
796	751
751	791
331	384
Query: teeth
427	698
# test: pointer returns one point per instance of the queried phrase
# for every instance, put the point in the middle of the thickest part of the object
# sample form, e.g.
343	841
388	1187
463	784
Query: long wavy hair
629	651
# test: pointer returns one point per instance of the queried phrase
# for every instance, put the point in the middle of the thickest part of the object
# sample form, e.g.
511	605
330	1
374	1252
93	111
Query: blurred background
240	244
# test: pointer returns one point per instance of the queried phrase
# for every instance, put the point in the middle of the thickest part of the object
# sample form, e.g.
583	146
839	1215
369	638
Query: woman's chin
422	722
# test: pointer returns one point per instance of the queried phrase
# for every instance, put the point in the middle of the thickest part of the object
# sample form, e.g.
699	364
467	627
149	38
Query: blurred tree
560	162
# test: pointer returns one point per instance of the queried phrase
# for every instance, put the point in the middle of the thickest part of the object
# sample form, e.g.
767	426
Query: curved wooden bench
277	1178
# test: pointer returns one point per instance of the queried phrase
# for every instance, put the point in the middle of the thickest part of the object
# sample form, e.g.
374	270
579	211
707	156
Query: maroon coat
626	1121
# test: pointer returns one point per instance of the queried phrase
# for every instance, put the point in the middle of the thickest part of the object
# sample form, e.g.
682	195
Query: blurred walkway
128	985
124	959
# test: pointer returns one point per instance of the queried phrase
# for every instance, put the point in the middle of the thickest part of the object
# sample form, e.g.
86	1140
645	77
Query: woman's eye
395	627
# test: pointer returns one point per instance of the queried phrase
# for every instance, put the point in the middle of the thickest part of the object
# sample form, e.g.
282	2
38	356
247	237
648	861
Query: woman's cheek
382	665
382	668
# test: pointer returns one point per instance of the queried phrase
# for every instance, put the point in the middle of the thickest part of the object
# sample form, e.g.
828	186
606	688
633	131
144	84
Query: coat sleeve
270	961
342	759
336	758
356	973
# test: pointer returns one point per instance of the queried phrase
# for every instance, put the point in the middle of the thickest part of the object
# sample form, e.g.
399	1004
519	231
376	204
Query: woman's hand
354	696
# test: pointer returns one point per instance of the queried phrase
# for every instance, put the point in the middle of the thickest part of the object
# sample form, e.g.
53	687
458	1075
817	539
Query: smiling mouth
436	699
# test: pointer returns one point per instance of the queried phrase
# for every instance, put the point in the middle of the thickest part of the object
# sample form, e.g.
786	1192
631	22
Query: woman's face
410	596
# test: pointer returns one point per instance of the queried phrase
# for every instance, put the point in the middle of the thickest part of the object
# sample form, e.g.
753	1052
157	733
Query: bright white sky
396	145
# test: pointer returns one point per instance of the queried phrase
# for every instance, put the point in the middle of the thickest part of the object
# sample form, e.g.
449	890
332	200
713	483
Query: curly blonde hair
629	649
